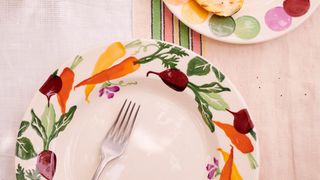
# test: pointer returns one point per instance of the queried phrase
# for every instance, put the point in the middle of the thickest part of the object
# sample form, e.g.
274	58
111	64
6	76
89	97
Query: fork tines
122	127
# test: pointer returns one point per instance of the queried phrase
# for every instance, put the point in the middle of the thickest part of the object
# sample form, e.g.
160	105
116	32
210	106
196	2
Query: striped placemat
152	19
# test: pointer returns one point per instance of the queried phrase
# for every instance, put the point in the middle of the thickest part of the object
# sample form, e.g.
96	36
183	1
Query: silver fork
115	141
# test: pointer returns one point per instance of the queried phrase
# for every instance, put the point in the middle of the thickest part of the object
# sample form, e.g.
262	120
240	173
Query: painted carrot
241	141
115	51
127	66
67	77
235	175
226	172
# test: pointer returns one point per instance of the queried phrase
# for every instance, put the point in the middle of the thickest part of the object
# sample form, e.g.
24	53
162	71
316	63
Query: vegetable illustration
24	147
115	51
127	66
48	128
67	78
109	89
241	141
49	132
227	168
30	174
52	86
235	175
167	53
206	95
174	78
213	169
46	164
242	122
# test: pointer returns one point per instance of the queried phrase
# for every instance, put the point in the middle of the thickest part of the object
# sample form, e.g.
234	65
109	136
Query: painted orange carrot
227	168
114	51
67	77
127	66
235	175
241	141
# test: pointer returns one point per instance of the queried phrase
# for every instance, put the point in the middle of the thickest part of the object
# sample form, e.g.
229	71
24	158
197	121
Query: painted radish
174	78
46	164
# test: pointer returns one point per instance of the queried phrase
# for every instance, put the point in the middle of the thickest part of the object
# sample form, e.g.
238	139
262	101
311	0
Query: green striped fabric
156	19
184	35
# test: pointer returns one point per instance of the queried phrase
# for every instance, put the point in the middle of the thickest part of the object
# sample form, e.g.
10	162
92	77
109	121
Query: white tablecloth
37	36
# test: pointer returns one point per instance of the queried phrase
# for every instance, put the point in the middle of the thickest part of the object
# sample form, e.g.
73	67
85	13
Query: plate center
169	141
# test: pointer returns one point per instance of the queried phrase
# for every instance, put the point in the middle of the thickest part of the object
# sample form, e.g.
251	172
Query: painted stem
76	62
252	161
152	72
253	134
233	113
46	145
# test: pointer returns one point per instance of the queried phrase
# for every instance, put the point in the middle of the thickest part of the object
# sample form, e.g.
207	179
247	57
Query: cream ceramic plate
256	21
186	134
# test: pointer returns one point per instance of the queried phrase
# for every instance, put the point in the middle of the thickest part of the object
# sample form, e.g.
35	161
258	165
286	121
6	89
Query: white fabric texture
37	36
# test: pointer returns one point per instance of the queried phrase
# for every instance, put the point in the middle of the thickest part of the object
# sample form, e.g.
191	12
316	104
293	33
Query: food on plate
221	7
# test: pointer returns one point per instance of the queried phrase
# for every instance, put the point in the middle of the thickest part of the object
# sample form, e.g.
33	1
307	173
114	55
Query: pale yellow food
194	13
221	7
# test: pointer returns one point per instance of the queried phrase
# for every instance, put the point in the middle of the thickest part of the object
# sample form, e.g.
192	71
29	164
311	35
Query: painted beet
46	164
52	86
174	78
242	121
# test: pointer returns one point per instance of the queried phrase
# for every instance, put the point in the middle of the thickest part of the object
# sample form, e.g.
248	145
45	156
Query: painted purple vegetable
52	86
242	121
174	78
46	164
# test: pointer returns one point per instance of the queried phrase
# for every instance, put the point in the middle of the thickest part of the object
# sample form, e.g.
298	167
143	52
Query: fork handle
101	166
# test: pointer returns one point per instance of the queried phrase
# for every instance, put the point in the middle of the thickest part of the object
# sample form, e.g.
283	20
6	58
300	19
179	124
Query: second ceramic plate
257	20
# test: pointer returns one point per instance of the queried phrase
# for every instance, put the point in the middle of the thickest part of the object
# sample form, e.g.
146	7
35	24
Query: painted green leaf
198	66
218	74
63	122
24	149
205	112
48	119
23	127
20	173
37	126
214	100
214	87
33	174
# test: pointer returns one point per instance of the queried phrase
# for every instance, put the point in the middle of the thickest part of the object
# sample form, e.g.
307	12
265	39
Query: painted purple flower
109	95
216	161
101	92
113	88
109	91
213	169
